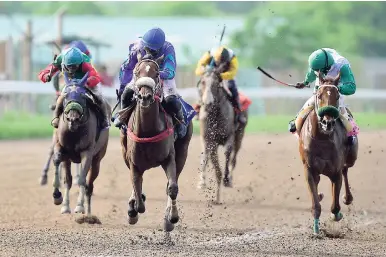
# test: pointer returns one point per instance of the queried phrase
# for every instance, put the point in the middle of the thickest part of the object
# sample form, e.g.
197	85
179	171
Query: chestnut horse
324	149
149	141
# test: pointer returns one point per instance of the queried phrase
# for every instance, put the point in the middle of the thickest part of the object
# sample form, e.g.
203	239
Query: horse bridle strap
316	99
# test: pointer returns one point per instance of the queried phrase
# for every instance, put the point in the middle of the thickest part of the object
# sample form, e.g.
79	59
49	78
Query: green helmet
72	56
320	60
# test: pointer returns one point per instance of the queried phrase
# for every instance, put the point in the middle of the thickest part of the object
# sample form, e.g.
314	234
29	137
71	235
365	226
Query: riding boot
102	109
174	106
58	111
126	101
235	100
292	126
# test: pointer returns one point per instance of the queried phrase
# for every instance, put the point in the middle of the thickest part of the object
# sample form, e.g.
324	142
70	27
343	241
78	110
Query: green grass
21	126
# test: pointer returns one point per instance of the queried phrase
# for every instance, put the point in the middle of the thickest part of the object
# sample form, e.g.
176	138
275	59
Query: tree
284	34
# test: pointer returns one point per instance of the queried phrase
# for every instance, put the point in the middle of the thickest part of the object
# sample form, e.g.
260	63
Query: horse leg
312	182
228	150
78	169
86	165
214	158
237	145
95	167
68	183
203	164
336	182
171	213
137	180
43	178
58	199
347	198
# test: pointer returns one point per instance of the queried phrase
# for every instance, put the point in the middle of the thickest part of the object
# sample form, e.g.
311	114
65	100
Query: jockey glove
300	85
46	78
92	81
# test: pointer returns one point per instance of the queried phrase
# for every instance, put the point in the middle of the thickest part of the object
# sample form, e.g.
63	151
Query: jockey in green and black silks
329	62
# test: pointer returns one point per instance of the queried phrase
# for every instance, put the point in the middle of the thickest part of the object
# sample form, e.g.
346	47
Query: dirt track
267	213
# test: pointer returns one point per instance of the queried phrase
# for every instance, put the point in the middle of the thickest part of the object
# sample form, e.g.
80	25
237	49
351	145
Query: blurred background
278	36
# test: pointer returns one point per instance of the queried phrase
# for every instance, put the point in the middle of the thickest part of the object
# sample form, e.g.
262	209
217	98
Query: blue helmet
81	46
72	56
154	39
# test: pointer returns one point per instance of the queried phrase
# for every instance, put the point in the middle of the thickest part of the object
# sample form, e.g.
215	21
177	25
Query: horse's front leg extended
137	180
171	214
203	164
336	183
228	150
58	199
312	181
68	184
87	157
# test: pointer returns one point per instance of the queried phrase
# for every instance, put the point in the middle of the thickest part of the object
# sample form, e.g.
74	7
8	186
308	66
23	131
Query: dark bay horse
150	142
324	149
218	127
80	140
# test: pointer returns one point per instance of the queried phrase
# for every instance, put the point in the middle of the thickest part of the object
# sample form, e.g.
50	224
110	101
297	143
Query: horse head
327	103
212	88
147	79
75	102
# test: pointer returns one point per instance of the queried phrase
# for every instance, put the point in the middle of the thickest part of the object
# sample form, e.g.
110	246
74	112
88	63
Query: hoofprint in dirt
267	213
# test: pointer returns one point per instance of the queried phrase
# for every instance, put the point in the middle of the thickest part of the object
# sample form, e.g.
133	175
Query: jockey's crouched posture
330	63
153	45
76	64
227	61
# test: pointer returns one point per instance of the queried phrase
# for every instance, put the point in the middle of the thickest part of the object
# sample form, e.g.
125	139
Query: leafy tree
282	34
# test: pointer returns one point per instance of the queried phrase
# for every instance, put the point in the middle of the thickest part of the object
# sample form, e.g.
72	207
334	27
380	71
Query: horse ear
139	56
160	59
84	79
336	80
66	79
320	77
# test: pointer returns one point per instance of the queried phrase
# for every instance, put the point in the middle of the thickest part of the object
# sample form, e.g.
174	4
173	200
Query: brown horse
218	127
78	140
324	150
150	142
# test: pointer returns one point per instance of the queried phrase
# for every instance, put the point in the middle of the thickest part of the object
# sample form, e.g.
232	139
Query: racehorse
78	139
218	127
324	150
149	141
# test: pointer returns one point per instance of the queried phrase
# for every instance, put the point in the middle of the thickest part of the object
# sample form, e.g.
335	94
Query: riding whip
269	76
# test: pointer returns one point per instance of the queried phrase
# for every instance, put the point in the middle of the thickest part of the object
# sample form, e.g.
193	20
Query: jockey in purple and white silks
153	45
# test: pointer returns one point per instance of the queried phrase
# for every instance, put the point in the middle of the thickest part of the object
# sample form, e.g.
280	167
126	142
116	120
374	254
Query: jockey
82	47
330	63
153	44
76	64
226	59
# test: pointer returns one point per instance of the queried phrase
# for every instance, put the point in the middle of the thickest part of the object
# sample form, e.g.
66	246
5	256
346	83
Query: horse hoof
79	209
65	210
132	213
168	226
321	196
133	220
316	228
347	200
227	182
43	180
174	220
336	217
58	199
